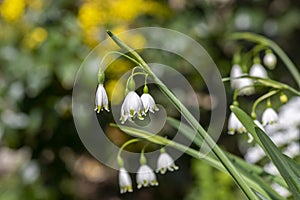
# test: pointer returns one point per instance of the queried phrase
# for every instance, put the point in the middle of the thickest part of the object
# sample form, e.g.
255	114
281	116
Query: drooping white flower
132	106
269	116
282	191
165	162
254	154
292	150
258	70
270	60
148	103
236	71
124	181
101	99
247	85
234	125
145	177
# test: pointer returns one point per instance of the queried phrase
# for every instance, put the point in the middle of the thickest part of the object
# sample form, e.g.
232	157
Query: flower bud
270	59
283	98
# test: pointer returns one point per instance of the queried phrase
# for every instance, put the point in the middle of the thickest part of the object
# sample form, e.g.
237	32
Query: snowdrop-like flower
101	99
236	71
132	107
234	125
292	150
254	154
258	70
145	177
269	116
165	162
282	191
270	60
247	85
124	181
148	103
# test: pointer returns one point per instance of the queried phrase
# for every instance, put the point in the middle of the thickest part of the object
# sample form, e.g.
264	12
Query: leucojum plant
252	179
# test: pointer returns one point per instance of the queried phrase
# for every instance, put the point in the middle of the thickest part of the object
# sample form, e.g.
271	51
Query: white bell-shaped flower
236	71
132	106
270	60
258	70
234	125
247	85
269	116
145	177
148	103
165	162
101	99
124	181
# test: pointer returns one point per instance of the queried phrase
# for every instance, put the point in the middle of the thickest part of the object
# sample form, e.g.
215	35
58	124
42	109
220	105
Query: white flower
234	125
165	162
247	85
269	116
254	154
271	169
145	177
148	103
270	60
132	107
292	150
124	181
236	71
258	70
282	191
101	99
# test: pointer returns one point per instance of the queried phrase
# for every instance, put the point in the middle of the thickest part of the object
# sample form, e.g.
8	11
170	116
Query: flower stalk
192	121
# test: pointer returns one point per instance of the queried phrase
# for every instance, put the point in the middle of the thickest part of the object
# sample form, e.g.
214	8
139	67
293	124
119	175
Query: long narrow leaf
271	150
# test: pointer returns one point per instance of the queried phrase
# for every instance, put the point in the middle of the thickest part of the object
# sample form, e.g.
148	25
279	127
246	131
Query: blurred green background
42	44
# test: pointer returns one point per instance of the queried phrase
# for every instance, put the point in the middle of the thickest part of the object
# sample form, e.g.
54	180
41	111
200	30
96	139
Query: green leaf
252	172
280	161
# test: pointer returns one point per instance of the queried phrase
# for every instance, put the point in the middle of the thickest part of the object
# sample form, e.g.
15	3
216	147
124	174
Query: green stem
263	97
192	121
240	163
192	152
119	158
264	41
119	53
267	83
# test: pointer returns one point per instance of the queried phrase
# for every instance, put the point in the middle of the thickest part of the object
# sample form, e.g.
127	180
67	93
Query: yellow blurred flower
12	10
115	91
35	38
35	4
94	14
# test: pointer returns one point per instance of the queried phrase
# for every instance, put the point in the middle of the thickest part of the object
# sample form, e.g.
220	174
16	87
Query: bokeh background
42	44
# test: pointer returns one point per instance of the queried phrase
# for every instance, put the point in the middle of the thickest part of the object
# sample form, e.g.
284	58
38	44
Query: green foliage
210	183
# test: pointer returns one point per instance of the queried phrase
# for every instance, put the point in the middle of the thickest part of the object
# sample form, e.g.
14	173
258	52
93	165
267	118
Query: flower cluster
244	84
285	135
135	106
145	175
269	117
